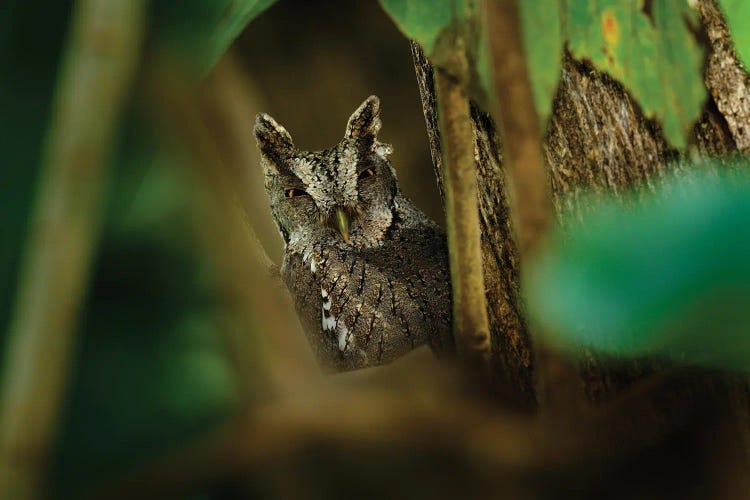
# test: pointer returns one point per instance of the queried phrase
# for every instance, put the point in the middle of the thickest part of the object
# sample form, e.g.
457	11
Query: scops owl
368	271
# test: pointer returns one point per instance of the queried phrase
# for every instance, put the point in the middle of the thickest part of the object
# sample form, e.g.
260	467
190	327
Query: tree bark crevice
597	140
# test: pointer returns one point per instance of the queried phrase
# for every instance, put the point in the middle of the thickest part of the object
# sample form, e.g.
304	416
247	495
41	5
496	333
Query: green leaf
737	13
201	30
543	44
437	26
655	56
666	277
421	20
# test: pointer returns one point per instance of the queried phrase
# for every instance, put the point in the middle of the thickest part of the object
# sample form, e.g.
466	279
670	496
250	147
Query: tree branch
511	362
192	120
530	194
523	451
470	322
100	60
531	199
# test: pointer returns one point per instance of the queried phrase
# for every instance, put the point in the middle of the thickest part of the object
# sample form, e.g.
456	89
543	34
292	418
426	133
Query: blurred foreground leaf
151	369
445	26
667	277
543	44
199	31
737	13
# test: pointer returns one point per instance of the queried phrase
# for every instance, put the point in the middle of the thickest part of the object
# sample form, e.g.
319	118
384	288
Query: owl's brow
290	179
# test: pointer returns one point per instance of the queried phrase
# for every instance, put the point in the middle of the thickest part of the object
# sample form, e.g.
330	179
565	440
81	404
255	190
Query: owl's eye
368	172
295	192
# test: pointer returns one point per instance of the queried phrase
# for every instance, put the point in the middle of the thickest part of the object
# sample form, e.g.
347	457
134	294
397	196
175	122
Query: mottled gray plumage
367	270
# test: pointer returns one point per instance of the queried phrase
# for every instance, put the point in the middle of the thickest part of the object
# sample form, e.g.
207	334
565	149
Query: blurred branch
100	60
207	129
560	390
523	449
511	361
530	194
470	322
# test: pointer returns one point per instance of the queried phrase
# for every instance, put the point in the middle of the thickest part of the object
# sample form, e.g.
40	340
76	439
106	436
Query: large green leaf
654	55
152	369
422	20
201	30
666	277
437	26
737	13
543	44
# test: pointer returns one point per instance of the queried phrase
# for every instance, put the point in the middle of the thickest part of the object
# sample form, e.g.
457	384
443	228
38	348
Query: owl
367	271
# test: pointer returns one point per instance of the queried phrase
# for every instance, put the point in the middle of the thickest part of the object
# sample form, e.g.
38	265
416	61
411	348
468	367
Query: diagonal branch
100	61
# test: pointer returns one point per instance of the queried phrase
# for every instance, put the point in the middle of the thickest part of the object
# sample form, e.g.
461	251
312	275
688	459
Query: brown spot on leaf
610	27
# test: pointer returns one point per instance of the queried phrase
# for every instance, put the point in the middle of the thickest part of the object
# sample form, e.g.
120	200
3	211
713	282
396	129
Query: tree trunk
597	140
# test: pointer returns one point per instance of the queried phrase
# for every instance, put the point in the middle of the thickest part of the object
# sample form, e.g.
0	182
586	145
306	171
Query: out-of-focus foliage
669	276
422	20
201	30
437	26
151	368
737	13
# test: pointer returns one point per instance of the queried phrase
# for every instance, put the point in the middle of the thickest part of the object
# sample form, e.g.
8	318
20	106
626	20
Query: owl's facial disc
342	195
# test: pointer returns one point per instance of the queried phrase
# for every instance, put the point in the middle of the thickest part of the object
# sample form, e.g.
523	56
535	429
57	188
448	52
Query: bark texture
511	351
597	140
726	79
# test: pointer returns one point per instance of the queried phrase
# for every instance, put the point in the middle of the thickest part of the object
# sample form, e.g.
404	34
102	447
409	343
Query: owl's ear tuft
273	140
365	121
364	125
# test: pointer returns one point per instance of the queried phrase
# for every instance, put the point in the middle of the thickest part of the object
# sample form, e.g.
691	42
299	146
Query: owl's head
344	195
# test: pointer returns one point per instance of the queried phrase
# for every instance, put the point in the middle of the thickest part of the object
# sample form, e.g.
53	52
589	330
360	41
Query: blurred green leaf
422	20
151	367
543	44
437	26
666	277
30	48
737	13
654	55
199	31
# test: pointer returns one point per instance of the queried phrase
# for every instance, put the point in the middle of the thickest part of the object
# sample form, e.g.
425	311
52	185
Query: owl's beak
342	223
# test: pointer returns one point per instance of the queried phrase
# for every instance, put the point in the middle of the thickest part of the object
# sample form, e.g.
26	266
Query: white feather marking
343	332
313	267
328	323
328	320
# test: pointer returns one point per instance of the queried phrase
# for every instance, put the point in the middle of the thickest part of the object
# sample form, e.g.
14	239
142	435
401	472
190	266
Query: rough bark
726	79
511	350
529	189
597	140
